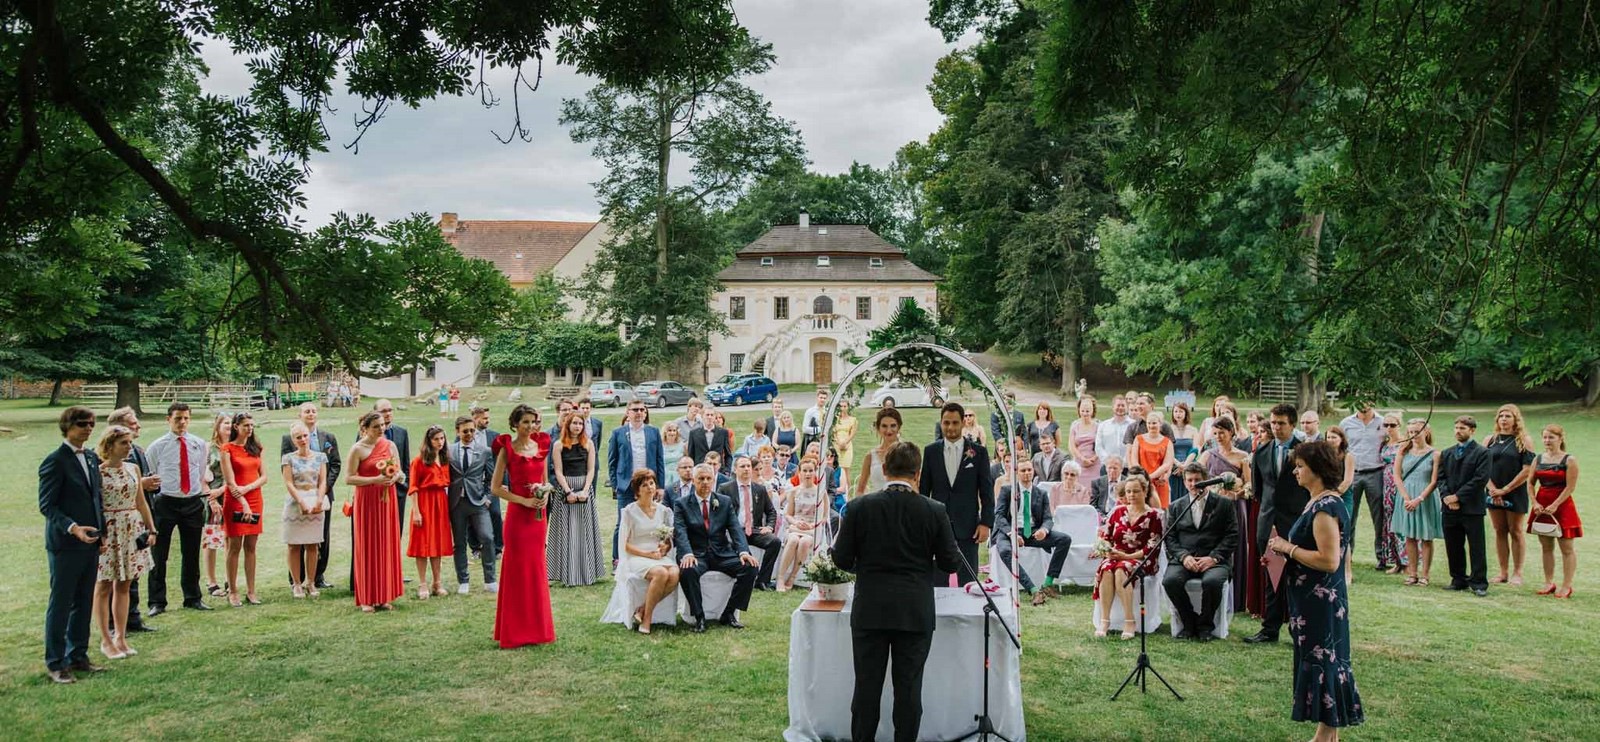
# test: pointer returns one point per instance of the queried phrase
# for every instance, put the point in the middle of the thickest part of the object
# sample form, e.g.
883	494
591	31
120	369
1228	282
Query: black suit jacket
970	502
329	446
719	442
1282	499
1216	536
1465	474
763	513
891	540
402	445
67	498
1039	502
723	537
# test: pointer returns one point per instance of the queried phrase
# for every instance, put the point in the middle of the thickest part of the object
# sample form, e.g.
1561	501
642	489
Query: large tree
658	271
82	80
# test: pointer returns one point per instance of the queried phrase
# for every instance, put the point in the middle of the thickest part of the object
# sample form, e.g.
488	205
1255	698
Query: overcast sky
852	74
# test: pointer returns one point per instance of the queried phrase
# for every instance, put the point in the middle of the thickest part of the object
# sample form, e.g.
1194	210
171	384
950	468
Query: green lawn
1431	664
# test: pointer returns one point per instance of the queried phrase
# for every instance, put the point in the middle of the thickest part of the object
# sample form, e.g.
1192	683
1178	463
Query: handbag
1550	528
213	536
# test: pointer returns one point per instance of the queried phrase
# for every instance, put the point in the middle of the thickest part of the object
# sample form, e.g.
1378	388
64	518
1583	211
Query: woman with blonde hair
1557	472
1511	465
573	553
1081	433
305	477
1418	515
803	513
122	560
214	538
843	438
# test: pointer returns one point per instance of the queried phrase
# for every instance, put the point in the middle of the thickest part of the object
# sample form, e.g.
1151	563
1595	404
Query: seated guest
1049	461
1033	527
1102	491
758	516
715	460
1201	538
708	537
646	554
1133	529
786	463
1071	490
804	510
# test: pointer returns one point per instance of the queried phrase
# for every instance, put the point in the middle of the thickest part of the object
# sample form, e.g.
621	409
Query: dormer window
766	262
824	261
874	262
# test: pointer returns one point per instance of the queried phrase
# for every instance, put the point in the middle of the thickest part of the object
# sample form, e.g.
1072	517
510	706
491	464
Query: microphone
1227	480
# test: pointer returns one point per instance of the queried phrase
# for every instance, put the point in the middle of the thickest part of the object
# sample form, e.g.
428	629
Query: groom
955	471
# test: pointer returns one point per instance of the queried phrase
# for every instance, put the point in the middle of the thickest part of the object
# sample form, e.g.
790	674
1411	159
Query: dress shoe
197	606
1204	635
1481	592
1261	637
1456	587
762	586
142	628
1185	635
60	677
324	585
155	610
731	622
699	626
1381	567
86	666
1040	598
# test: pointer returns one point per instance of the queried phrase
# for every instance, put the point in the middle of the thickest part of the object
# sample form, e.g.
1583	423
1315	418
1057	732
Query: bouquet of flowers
822	571
389	467
664	535
541	498
1101	550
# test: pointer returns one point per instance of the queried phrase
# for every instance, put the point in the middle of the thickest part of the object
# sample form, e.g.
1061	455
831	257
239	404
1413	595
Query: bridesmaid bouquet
541	493
389	467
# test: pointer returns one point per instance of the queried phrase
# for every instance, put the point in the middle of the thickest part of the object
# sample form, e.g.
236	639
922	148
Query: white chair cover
1082	523
628	596
1224	612
715	590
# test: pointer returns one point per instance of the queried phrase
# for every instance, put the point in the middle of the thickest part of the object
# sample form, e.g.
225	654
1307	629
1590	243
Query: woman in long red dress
373	471
522	615
430	511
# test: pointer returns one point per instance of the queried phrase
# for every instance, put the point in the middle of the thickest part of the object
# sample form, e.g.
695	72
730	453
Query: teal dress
1426	523
1181	448
1319	622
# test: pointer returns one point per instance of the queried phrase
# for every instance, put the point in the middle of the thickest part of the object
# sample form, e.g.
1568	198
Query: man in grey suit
1048	462
471	469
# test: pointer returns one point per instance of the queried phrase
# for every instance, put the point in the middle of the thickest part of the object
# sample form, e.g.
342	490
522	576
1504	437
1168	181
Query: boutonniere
715	503
969	453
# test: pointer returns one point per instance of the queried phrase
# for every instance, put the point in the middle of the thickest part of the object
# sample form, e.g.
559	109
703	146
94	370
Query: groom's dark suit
68	496
1282	500
888	539
716	546
969	501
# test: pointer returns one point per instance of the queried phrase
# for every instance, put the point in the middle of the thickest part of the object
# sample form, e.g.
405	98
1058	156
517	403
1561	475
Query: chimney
805	220
447	223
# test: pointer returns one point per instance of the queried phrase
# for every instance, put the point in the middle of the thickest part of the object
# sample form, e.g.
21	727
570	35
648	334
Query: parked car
611	393
906	394
663	393
731	380
754	389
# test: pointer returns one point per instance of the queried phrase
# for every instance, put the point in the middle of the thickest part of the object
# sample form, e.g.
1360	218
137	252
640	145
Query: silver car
663	393
611	393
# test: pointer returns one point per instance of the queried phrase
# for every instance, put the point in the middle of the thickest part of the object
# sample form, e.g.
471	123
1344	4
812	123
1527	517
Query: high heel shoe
422	593
1562	595
233	599
111	654
252	600
297	591
1128	630
311	590
131	652
1549	588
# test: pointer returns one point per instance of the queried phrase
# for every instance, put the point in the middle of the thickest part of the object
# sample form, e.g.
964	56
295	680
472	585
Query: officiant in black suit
74	521
955	471
758	516
708	537
1282	500
891	540
1201	536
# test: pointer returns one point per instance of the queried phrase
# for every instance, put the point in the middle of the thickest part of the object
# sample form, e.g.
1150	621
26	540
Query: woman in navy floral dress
1319	604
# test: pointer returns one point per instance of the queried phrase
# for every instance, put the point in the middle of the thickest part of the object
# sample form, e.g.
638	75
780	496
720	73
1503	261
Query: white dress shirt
636	444
166	461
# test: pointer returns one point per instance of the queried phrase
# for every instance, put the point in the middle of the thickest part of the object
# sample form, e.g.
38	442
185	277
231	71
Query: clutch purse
1550	528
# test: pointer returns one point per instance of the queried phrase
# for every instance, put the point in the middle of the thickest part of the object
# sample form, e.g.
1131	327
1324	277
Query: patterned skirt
574	552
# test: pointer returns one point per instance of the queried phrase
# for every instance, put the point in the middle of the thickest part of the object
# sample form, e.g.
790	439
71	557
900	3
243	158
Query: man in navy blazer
74	519
967	492
709	538
634	446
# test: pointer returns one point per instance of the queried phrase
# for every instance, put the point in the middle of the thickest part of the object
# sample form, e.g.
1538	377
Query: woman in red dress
241	518
522	615
1132	530
430	510
1557	472
373	471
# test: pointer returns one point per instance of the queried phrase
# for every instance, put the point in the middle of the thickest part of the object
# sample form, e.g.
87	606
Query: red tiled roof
520	249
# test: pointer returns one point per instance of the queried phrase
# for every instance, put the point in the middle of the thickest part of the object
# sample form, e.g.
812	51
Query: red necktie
705	512
183	465
744	493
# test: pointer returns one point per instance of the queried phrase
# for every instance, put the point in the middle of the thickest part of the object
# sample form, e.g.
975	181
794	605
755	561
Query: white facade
462	371
805	347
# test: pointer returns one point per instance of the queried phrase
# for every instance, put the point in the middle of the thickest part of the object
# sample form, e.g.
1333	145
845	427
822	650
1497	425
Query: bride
871	478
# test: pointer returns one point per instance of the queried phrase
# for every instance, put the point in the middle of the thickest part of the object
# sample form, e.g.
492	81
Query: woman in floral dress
1132	530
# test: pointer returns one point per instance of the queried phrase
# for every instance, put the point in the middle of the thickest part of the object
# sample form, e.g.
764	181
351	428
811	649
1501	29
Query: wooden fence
219	397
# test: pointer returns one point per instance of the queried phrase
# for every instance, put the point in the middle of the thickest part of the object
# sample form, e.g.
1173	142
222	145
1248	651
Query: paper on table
1275	563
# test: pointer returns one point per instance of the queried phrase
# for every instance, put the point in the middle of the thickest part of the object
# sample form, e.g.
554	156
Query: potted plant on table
828	580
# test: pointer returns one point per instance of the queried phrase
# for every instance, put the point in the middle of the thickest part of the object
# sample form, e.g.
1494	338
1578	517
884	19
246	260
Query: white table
822	675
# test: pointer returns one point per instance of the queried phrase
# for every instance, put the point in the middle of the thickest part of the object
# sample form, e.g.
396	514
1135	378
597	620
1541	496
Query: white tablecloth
822	678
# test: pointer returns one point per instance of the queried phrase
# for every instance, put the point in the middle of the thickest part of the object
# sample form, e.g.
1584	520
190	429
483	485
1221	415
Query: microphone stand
986	727
1143	665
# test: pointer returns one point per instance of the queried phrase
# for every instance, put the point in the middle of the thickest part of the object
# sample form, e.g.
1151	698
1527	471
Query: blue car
744	391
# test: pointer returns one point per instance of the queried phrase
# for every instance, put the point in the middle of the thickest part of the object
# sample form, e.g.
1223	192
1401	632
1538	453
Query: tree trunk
1310	393
55	392
128	393
1467	382
1185	379
1591	392
1071	339
663	162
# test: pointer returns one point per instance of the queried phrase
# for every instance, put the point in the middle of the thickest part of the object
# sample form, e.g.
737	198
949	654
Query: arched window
822	305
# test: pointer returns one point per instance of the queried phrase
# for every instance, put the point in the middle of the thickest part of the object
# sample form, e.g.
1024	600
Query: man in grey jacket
471	468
